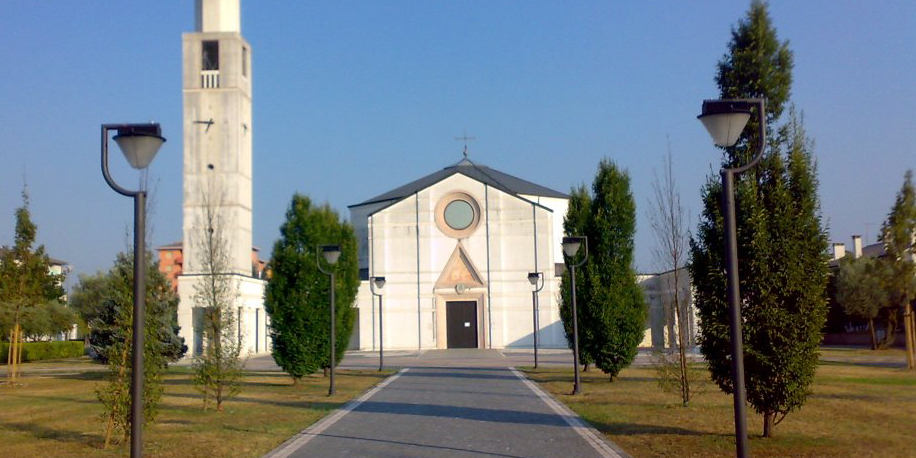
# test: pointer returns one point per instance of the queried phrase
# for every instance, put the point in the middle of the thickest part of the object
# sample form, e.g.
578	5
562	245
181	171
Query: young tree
297	295
47	319
781	241
112	335
218	368
611	309
26	284
898	234
860	290
99	298
668	219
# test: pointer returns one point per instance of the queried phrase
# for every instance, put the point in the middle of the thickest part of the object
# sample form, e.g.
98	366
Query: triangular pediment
459	270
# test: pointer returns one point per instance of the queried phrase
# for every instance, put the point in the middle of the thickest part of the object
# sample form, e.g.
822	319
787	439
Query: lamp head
331	253
533	278
378	281
139	143
725	119
571	245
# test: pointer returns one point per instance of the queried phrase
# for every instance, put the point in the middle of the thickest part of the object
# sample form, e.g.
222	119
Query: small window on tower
210	55
244	61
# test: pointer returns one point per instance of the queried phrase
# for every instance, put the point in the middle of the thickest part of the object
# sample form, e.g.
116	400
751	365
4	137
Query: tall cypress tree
898	233
611	309
297	296
781	241
616	315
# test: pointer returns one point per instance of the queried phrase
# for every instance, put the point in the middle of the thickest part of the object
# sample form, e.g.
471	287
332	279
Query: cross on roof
465	139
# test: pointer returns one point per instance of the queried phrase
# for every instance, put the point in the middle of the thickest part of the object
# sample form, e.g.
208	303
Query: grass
57	414
853	410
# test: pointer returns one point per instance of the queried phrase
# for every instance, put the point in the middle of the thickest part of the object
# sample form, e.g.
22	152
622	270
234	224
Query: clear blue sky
352	99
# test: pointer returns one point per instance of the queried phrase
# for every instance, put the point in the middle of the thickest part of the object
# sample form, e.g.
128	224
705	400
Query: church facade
455	248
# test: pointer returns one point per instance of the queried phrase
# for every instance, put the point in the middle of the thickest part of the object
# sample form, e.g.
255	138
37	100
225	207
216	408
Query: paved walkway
448	411
453	358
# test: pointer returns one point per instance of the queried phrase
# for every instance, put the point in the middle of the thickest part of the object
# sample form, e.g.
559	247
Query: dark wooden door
461	324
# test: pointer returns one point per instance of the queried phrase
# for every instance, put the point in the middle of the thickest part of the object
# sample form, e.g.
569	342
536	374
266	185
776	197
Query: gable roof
491	177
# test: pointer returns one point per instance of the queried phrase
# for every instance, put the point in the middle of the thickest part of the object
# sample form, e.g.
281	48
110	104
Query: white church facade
455	248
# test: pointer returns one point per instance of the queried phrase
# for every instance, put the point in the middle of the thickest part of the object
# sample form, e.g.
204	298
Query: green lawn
57	414
854	410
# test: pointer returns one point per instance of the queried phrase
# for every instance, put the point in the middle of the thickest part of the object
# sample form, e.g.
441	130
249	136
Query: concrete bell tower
216	82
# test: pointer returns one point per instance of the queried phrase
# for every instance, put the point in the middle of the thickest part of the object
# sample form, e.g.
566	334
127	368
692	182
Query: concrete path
447	411
395	359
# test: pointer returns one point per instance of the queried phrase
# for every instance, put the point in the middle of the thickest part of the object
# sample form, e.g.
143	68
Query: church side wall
559	207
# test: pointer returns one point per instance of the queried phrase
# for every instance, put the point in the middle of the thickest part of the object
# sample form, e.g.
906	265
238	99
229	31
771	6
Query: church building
455	248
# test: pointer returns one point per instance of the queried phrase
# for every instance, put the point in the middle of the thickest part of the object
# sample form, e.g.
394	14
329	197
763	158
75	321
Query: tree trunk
908	330
890	331
871	328
19	351
682	355
111	414
9	360
585	368
769	423
108	431
913	334
326	372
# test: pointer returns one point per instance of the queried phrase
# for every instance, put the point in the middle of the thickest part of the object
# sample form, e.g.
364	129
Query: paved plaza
450	403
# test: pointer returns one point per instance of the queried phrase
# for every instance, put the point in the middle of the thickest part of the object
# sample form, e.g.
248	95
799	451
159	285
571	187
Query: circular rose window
457	215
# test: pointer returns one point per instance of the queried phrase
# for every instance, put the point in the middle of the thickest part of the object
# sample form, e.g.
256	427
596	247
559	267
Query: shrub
39	351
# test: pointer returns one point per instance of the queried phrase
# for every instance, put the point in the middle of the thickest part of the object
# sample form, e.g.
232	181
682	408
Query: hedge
37	351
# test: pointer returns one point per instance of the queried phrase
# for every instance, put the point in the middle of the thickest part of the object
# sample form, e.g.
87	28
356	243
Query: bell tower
216	87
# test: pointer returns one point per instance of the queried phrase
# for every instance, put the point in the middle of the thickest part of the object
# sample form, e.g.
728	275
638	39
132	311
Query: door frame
442	324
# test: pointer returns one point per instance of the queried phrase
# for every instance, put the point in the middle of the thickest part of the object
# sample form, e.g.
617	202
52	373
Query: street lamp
379	283
725	119
535	278
330	253
570	248
139	143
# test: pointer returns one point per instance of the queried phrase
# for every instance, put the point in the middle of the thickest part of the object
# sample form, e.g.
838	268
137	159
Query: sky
354	98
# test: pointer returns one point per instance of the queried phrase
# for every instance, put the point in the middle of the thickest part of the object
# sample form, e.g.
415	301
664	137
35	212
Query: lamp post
379	283
330	253
139	143
570	248
725	119
534	278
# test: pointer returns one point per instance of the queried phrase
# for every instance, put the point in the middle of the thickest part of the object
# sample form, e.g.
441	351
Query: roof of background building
491	177
179	245
875	250
52	261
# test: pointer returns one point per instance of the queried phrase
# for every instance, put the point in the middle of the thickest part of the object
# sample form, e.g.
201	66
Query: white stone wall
251	321
661	322
414	308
